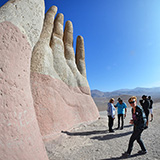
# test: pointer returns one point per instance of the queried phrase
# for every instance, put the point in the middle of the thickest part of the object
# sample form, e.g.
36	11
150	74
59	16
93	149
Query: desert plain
92	141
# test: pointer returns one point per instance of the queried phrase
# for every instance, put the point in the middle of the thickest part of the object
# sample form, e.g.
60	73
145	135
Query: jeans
110	123
146	113
136	135
120	116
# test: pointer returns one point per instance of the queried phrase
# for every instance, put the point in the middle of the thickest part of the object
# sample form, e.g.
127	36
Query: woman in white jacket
111	114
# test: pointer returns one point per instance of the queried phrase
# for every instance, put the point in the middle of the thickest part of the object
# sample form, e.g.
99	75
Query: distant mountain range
153	92
101	98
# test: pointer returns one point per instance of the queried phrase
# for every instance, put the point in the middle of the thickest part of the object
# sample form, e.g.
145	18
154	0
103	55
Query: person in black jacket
145	105
139	122
150	108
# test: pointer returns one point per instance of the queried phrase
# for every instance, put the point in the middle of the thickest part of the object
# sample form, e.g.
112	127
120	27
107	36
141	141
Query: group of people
121	110
146	104
139	119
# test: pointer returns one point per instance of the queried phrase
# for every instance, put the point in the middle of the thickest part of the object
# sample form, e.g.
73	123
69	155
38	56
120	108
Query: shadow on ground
87	133
127	126
115	158
111	136
100	138
84	133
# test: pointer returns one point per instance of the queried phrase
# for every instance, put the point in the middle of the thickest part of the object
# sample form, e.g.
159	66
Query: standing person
122	110
145	105
111	114
150	108
139	122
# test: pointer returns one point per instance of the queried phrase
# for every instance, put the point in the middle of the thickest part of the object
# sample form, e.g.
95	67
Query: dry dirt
92	141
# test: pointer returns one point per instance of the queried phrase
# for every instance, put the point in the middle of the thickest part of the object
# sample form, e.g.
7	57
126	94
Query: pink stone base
59	107
20	137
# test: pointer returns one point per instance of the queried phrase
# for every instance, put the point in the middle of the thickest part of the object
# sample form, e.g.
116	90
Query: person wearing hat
139	123
122	110
145	105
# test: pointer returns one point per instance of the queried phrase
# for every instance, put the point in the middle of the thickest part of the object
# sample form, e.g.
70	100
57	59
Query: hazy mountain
101	98
154	92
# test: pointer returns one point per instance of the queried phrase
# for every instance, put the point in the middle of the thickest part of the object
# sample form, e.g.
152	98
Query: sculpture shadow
84	133
111	136
121	157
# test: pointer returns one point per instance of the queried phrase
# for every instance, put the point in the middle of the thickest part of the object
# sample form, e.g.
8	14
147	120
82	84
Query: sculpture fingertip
80	42
69	26
80	37
68	33
60	18
53	9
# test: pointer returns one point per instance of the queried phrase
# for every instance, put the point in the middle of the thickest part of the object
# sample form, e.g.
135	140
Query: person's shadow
127	126
87	133
111	136
100	138
121	157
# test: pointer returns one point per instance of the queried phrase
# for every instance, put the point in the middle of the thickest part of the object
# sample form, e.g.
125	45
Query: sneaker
145	127
142	152
117	128
126	155
111	131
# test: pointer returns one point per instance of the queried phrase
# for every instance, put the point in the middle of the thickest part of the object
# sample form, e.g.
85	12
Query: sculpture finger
68	41
58	26
70	58
80	56
48	24
59	61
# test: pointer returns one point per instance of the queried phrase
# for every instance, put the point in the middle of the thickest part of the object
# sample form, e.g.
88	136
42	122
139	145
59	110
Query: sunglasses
131	102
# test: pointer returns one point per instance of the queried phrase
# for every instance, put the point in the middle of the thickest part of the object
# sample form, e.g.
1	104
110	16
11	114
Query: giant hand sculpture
60	91
20	28
59	86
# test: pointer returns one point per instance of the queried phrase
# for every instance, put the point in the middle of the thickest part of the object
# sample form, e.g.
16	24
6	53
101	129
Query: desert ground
92	141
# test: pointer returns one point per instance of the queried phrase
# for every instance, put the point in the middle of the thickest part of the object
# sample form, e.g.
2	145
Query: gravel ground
92	141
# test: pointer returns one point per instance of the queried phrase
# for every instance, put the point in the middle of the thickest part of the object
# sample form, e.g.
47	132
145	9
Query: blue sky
122	40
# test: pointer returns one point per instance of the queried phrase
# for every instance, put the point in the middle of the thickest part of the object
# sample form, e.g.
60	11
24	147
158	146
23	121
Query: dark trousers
136	135
120	116
146	113
110	123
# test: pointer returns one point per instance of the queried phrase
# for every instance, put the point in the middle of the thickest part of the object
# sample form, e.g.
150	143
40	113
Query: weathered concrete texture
27	15
61	93
59	107
20	137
